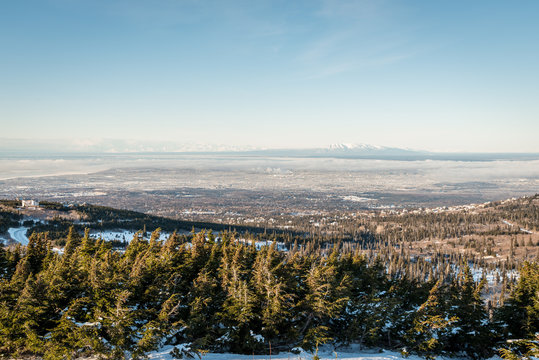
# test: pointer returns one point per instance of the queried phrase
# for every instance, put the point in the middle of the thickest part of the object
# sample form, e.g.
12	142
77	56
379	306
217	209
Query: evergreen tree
73	241
472	332
431	324
273	298
326	297
520	312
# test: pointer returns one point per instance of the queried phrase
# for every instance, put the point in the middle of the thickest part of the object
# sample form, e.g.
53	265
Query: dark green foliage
521	310
53	206
472	332
11	203
8	219
223	294
520	350
431	324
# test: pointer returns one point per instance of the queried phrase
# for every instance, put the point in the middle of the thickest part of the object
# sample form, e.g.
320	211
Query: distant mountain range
22	147
103	146
367	149
341	151
137	146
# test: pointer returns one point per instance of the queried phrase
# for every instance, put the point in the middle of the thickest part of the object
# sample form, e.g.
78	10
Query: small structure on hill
29	203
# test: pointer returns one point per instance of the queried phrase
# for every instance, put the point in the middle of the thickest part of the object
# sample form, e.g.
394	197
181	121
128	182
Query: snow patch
19	234
121	235
260	244
325	354
356	198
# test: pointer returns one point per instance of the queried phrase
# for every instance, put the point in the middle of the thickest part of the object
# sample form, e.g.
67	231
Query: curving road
19	235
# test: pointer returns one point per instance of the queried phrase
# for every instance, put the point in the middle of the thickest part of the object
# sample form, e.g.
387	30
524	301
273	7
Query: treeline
524	211
8	219
417	226
225	295
110	218
105	218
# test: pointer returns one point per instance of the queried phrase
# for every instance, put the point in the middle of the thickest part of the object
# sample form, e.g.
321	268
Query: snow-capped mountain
354	147
119	146
338	150
365	150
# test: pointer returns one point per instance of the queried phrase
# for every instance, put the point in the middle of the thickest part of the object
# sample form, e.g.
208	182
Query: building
29	203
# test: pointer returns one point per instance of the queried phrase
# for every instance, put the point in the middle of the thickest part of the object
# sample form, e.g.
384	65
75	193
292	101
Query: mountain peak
348	147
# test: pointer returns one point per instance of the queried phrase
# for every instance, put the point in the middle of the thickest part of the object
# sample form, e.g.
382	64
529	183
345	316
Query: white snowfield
356	198
18	235
121	235
260	244
351	354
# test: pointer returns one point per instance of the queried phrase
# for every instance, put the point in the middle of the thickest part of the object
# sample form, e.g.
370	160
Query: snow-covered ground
356	198
349	354
477	273
259	244
121	235
19	234
521	229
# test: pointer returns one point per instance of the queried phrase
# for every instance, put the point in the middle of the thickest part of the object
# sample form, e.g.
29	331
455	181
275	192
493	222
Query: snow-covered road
521	229
19	235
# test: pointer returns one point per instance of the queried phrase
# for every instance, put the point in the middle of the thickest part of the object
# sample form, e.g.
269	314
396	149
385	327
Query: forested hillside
227	295
455	282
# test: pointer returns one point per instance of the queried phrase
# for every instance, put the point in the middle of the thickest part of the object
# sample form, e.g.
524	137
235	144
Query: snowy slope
349	354
122	235
19	234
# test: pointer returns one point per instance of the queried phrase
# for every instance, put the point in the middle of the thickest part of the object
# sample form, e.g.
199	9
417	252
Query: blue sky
442	76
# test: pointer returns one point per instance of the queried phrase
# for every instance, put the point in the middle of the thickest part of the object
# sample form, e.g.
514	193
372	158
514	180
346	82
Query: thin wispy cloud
351	9
353	40
323	59
326	46
334	69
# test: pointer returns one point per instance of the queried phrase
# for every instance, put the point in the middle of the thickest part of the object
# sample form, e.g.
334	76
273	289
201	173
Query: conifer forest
69	293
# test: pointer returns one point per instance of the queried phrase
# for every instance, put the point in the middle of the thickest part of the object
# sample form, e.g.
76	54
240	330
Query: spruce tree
520	312
429	333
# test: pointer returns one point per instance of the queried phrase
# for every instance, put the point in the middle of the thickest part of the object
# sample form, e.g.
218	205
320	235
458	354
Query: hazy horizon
131	146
